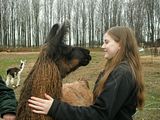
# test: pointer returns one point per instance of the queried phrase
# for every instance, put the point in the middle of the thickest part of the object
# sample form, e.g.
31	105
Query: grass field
151	67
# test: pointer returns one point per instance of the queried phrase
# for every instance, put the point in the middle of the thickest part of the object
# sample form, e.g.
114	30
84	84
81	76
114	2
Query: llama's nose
89	57
87	52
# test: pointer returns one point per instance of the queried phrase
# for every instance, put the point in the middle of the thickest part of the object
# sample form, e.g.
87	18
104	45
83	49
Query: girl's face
110	46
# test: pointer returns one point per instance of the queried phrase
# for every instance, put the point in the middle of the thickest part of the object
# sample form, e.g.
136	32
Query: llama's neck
21	67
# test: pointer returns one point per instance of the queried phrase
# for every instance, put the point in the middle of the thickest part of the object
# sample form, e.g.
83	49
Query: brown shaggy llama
55	61
77	93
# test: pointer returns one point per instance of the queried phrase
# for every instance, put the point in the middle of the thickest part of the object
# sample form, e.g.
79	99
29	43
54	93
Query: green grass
151	66
8	60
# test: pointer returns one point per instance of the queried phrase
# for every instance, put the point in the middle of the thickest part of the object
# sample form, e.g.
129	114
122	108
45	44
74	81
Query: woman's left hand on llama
39	105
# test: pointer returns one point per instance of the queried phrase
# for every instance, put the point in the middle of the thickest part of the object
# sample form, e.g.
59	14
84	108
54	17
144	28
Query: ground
151	67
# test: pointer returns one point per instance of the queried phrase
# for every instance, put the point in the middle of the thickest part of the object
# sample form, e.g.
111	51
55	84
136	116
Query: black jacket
8	101
116	102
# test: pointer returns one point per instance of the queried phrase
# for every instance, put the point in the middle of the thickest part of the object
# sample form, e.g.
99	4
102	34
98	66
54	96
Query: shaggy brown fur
77	93
43	78
56	60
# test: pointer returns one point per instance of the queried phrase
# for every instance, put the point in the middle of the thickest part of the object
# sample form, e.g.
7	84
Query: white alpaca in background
13	73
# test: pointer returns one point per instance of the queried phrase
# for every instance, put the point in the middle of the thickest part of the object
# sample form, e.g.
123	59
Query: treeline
26	23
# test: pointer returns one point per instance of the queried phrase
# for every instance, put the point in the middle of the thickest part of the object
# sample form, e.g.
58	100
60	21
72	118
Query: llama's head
23	61
66	57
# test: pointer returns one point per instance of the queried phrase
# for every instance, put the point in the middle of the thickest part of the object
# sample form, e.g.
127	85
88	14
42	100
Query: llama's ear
57	34
62	32
52	33
54	42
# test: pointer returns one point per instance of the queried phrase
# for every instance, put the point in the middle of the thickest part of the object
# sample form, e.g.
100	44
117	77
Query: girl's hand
40	106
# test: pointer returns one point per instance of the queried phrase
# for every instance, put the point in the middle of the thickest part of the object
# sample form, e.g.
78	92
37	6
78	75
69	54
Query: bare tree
130	14
139	20
83	22
0	23
69	16
59	10
149	5
114	9
105	21
91	20
4	22
12	24
76	22
36	9
135	16
27	22
157	19
45	20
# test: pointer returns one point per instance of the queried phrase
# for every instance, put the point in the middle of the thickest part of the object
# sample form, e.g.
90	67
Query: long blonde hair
129	51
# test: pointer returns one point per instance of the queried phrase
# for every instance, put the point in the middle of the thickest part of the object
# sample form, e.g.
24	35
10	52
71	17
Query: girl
118	91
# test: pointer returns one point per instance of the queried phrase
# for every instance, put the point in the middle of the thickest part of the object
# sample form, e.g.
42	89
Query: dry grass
151	66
